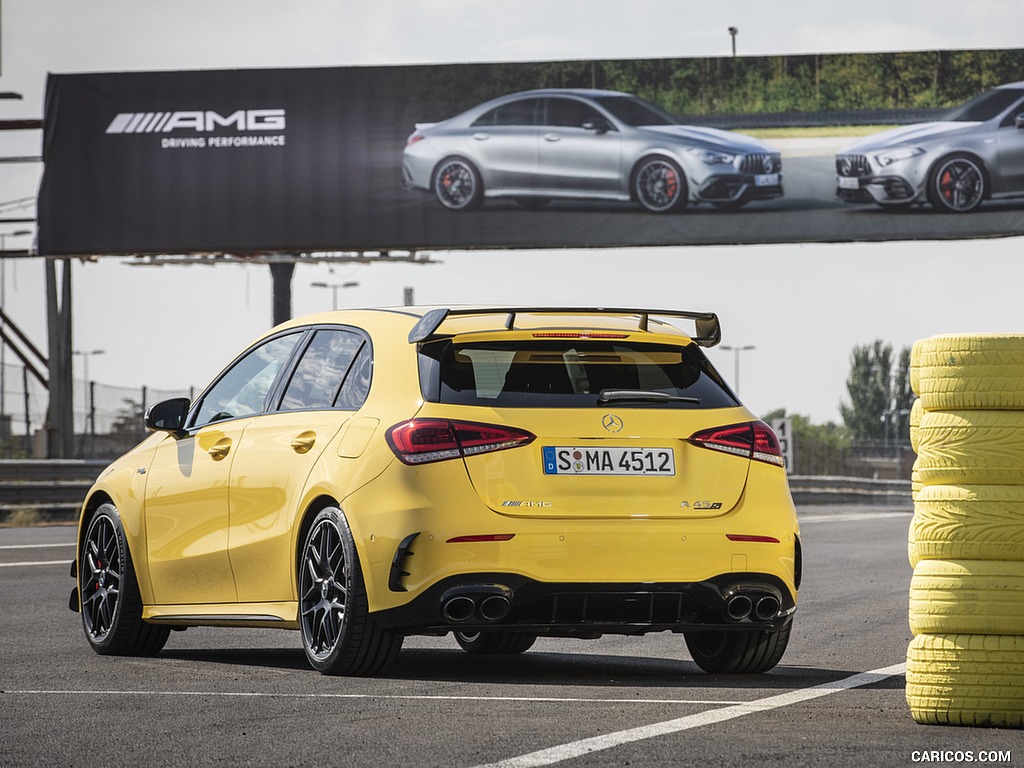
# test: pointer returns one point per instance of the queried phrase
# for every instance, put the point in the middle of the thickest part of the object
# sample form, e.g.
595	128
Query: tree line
712	86
875	416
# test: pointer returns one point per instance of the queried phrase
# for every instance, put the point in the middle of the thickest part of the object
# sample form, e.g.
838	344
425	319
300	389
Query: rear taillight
422	441
414	138
753	440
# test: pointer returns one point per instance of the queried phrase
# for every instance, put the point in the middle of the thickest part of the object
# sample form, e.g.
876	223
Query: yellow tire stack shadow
965	665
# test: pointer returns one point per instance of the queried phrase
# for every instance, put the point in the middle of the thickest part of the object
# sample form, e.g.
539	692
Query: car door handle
301	443
220	449
481	136
552	137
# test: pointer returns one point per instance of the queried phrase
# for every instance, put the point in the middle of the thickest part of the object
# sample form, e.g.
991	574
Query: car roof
588	92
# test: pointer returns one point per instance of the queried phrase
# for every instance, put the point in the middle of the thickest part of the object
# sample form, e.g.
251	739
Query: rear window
570	373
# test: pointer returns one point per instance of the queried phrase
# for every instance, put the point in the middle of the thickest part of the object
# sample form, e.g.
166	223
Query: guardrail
817	119
815	489
51	489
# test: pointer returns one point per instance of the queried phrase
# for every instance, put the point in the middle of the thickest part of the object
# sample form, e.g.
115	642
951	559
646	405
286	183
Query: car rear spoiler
708	329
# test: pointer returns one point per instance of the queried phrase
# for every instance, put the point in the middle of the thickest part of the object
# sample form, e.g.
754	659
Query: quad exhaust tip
488	603
752	605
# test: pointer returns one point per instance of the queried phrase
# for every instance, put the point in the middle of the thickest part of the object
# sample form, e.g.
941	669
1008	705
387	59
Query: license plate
576	460
848	182
766	180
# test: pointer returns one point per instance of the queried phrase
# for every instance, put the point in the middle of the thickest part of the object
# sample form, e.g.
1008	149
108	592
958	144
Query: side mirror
168	416
1019	120
597	125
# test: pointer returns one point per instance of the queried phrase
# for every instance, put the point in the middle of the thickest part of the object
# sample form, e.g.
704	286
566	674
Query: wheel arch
134	536
314	508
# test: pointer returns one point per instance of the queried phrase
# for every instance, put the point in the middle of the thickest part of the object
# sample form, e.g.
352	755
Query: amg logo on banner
165	122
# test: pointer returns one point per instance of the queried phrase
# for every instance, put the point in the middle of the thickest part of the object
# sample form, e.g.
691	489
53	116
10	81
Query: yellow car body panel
557	549
268	490
187	516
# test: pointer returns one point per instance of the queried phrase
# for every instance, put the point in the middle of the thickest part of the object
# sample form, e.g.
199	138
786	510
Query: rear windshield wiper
642	396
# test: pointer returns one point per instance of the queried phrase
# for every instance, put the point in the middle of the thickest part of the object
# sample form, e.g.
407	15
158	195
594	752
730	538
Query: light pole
85	355
3	306
736	361
732	34
334	289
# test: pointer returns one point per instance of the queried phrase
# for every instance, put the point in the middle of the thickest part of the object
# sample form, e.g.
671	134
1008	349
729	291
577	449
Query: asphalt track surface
809	212
241	697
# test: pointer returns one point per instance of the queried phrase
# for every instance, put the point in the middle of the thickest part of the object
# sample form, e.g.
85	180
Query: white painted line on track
409	697
37	562
850	517
37	546
607	741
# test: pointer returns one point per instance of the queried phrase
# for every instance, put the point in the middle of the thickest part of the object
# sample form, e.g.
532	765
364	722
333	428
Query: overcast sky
802	306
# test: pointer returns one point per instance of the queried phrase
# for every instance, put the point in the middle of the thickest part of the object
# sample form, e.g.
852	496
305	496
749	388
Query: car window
357	383
321	370
569	373
634	111
570	113
984	107
243	389
521	112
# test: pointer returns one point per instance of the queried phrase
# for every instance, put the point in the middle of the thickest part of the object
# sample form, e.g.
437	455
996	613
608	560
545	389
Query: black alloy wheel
659	185
338	635
111	601
457	184
956	184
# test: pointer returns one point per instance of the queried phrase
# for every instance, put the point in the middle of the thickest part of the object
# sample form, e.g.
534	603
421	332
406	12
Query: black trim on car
592	609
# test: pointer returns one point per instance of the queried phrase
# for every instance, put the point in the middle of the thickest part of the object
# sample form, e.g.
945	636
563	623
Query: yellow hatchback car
495	473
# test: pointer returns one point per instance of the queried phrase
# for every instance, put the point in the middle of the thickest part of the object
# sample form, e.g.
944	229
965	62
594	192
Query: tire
984	522
970	448
916	414
338	634
494	642
968	349
111	601
970	355
957	184
659	185
975	680
457	184
915	485
975	387
967	371
976	597
738	652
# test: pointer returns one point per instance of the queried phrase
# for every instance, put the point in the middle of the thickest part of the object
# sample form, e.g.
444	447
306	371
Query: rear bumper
509	602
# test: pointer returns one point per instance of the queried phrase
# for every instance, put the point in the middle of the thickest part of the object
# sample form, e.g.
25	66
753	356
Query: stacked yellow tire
965	665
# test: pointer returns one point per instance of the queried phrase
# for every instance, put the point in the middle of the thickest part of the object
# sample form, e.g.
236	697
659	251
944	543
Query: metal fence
107	419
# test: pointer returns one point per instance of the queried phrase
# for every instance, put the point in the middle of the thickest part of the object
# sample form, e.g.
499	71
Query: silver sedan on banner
585	144
974	153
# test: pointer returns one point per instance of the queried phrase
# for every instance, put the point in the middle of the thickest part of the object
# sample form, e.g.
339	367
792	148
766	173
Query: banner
534	155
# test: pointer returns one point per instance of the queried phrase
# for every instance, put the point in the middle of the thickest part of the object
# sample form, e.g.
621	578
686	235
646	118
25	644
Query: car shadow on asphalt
539	668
